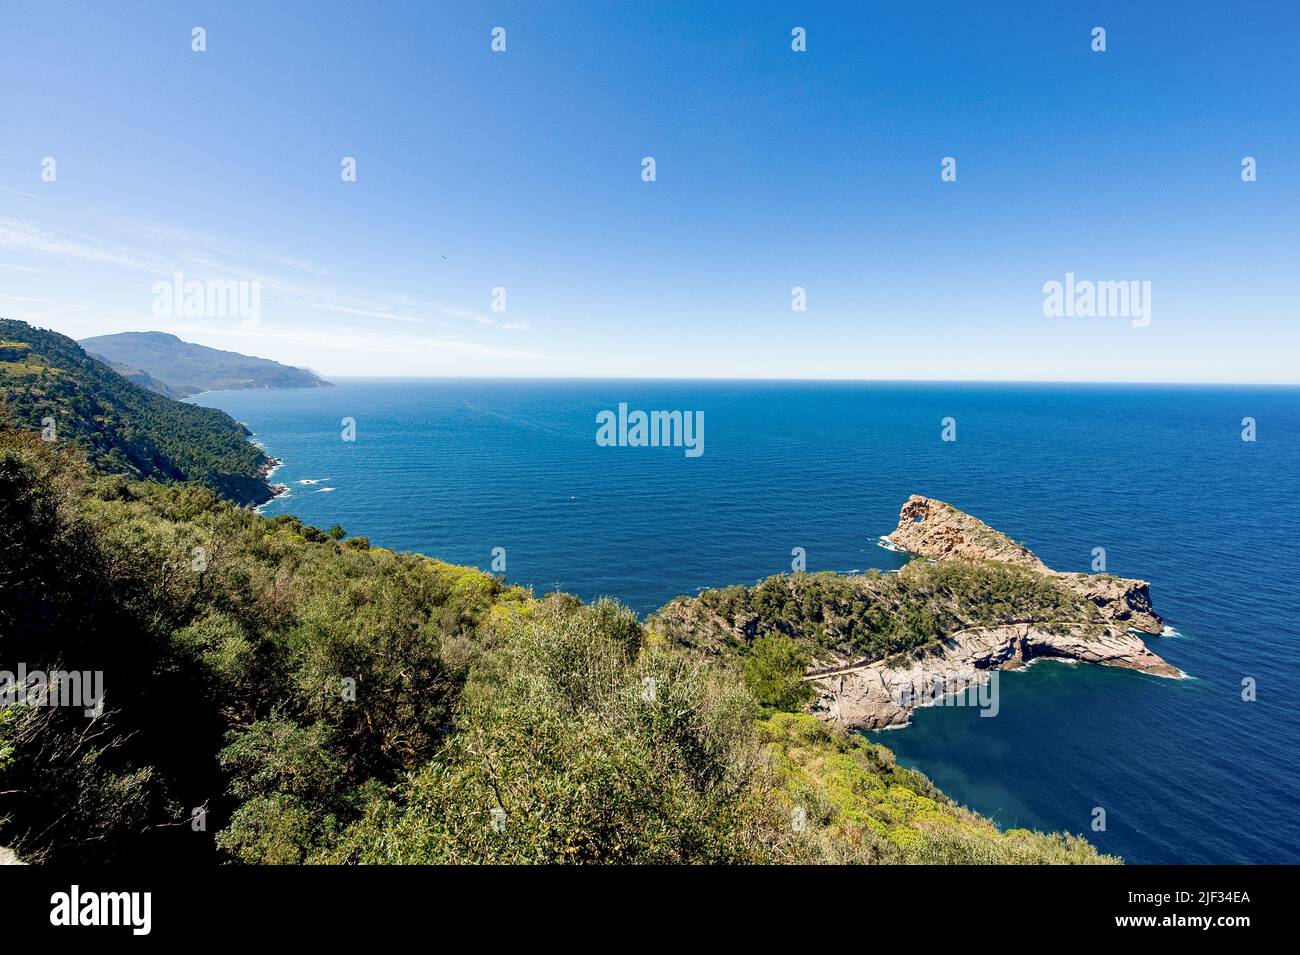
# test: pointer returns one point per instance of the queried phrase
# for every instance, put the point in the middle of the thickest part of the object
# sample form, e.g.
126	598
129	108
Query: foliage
860	806
328	701
199	667
577	743
121	427
774	668
873	615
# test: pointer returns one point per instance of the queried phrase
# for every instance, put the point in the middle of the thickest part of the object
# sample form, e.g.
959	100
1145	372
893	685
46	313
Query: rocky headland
882	693
974	602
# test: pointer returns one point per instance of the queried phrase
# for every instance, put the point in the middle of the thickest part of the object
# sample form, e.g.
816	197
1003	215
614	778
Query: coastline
266	472
1127	526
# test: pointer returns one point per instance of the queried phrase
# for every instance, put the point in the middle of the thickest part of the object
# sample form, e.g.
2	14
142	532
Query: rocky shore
267	471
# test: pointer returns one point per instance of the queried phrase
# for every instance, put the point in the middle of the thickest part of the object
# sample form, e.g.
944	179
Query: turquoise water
1159	476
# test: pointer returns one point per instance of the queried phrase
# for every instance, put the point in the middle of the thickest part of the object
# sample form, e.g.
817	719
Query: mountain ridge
172	366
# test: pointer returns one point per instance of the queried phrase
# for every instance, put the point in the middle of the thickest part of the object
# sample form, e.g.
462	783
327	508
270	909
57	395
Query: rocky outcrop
882	693
1121	600
937	530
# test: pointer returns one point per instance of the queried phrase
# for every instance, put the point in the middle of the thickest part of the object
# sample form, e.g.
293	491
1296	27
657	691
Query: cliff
883	693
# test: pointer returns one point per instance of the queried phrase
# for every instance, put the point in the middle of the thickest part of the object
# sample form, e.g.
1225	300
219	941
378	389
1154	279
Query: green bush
774	669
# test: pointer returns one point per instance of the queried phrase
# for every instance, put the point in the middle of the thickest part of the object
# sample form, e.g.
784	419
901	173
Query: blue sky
775	169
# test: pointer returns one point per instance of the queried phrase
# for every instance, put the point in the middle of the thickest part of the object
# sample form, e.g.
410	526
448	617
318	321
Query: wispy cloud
452	312
26	236
201	257
17	192
377	312
162	251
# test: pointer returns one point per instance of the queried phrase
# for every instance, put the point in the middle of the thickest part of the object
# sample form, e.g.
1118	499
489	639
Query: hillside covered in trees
50	385
273	693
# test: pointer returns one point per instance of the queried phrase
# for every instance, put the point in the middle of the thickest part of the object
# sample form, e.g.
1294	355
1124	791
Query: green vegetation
169	366
773	670
862	807
122	428
874	615
222	677
578	742
328	701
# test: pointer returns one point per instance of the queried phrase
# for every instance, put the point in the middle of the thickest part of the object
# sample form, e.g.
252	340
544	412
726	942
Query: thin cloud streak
195	255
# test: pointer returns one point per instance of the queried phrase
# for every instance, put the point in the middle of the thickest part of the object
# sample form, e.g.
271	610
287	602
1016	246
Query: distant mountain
123	428
165	364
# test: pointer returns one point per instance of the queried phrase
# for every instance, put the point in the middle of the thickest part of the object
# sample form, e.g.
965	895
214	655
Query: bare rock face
934	529
879	695
937	530
1119	599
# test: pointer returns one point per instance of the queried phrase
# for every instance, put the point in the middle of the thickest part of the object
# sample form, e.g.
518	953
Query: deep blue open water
1187	771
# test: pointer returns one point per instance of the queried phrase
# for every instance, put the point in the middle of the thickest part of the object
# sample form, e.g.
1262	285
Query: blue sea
1186	770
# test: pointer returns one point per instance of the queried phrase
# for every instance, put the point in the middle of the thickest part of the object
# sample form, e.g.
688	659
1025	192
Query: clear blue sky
775	169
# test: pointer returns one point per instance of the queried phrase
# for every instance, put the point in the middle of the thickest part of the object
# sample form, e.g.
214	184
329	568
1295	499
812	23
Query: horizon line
796	380
717	378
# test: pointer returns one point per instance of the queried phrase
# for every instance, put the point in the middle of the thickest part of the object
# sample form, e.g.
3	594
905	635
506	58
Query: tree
773	671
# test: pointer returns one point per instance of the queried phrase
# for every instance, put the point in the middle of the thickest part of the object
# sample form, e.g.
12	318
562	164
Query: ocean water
1186	770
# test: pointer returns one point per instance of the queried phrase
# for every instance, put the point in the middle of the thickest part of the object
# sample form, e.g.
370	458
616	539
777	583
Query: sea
1193	488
